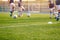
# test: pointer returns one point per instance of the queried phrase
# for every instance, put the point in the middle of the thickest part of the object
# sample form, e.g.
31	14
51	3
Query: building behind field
30	5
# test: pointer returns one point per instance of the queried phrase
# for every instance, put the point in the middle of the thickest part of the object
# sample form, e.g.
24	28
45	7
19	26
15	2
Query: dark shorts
51	5
57	2
19	4
11	1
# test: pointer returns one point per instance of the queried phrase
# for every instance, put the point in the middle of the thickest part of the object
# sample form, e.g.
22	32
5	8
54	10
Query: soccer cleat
10	15
28	16
50	17
57	19
19	16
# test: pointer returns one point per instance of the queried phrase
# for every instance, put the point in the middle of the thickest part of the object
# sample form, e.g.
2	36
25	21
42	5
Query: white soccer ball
28	14
49	22
14	16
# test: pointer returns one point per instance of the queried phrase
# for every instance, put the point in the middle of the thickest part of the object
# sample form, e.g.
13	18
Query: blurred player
58	8
51	7
20	8
12	6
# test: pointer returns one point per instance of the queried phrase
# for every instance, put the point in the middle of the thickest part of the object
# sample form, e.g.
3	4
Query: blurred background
30	5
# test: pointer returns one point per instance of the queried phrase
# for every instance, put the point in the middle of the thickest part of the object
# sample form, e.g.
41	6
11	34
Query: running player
20	8
12	6
58	8
51	7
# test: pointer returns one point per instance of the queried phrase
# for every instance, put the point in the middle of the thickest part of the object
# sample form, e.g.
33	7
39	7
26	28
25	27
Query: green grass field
35	27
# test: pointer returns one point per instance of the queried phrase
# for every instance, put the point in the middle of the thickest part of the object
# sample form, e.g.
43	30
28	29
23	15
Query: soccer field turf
35	27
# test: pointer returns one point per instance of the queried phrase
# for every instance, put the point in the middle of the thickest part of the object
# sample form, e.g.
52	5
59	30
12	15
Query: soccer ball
49	22
28	15
14	16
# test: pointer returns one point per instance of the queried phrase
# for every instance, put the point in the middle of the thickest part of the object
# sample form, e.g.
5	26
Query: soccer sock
20	13
11	13
50	14
57	17
58	14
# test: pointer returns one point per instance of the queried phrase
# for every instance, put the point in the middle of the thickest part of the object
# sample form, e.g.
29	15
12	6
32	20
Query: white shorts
58	7
51	9
12	5
19	9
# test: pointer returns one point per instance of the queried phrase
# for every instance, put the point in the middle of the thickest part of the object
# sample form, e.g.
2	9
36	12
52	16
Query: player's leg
21	9
51	12
57	17
54	13
11	12
20	12
12	7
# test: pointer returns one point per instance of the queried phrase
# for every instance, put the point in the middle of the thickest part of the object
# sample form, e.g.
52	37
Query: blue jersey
57	2
11	1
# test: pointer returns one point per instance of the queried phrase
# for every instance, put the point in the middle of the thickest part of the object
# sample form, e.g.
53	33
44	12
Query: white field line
12	26
22	25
